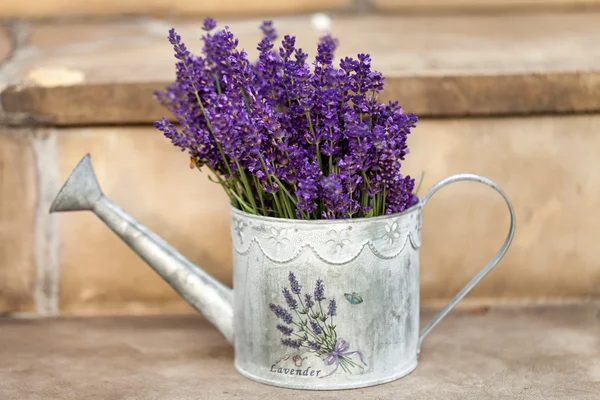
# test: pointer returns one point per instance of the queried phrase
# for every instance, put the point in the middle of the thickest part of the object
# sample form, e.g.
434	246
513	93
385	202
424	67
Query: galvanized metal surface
491	264
207	295
370	267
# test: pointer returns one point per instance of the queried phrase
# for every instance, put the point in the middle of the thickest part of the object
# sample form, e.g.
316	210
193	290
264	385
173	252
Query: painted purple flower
315	327
294	285
281	313
319	290
285	329
294	344
332	309
314	345
289	299
308	301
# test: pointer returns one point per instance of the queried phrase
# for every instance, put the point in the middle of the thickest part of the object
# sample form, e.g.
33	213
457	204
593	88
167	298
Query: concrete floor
505	353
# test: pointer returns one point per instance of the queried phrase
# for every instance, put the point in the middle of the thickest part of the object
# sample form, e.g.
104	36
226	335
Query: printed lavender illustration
307	322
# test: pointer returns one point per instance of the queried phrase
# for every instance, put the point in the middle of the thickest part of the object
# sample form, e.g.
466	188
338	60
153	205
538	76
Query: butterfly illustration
353	298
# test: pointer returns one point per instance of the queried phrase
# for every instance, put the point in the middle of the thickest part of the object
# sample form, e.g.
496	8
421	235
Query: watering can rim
362	220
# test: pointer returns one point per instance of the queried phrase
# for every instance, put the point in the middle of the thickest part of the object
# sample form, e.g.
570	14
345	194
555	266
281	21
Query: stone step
91	9
531	353
104	72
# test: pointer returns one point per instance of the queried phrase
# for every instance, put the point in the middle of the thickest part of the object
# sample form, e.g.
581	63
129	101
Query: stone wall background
517	103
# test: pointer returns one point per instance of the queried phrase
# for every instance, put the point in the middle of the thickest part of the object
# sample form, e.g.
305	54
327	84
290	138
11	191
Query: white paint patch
55	76
321	22
46	295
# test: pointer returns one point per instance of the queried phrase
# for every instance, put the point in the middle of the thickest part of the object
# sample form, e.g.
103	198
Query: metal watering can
325	304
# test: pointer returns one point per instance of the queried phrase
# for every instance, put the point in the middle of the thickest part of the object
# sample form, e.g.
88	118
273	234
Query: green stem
308	330
242	203
247	188
327	337
289	195
260	194
420	182
218	84
220	181
312	130
298	336
275	197
344	367
288	206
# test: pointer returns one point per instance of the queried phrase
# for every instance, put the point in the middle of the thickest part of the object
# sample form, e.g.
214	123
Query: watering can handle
491	264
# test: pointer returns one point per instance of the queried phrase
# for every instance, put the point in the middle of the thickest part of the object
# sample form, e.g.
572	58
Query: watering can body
325	304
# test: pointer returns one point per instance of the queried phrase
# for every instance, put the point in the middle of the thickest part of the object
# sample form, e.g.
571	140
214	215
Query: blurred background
509	89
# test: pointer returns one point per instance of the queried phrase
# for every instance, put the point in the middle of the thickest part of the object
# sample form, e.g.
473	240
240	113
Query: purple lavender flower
314	345
332	309
268	30
289	299
286	140
315	327
296	288
308	301
209	24
181	51
294	344
319	290
308	187
281	313
285	329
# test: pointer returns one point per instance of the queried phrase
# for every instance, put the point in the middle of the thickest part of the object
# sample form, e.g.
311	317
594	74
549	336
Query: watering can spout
214	300
81	190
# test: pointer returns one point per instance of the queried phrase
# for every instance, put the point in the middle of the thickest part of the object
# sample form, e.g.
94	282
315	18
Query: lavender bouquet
311	327
284	139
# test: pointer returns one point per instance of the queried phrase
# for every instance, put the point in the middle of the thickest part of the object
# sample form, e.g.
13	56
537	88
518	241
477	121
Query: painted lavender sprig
308	324
285	138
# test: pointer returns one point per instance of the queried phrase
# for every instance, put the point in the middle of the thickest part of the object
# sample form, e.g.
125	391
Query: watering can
318	304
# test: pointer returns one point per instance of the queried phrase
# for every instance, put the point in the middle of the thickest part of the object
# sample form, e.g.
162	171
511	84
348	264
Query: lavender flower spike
268	30
332	308
294	344
319	290
287	331
308	301
209	24
316	328
281	313
314	345
181	51
294	283
289	299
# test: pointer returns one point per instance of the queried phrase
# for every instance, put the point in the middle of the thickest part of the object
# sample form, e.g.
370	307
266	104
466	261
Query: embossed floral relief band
333	243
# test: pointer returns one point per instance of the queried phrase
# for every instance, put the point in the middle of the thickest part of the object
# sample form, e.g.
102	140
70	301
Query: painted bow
339	354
